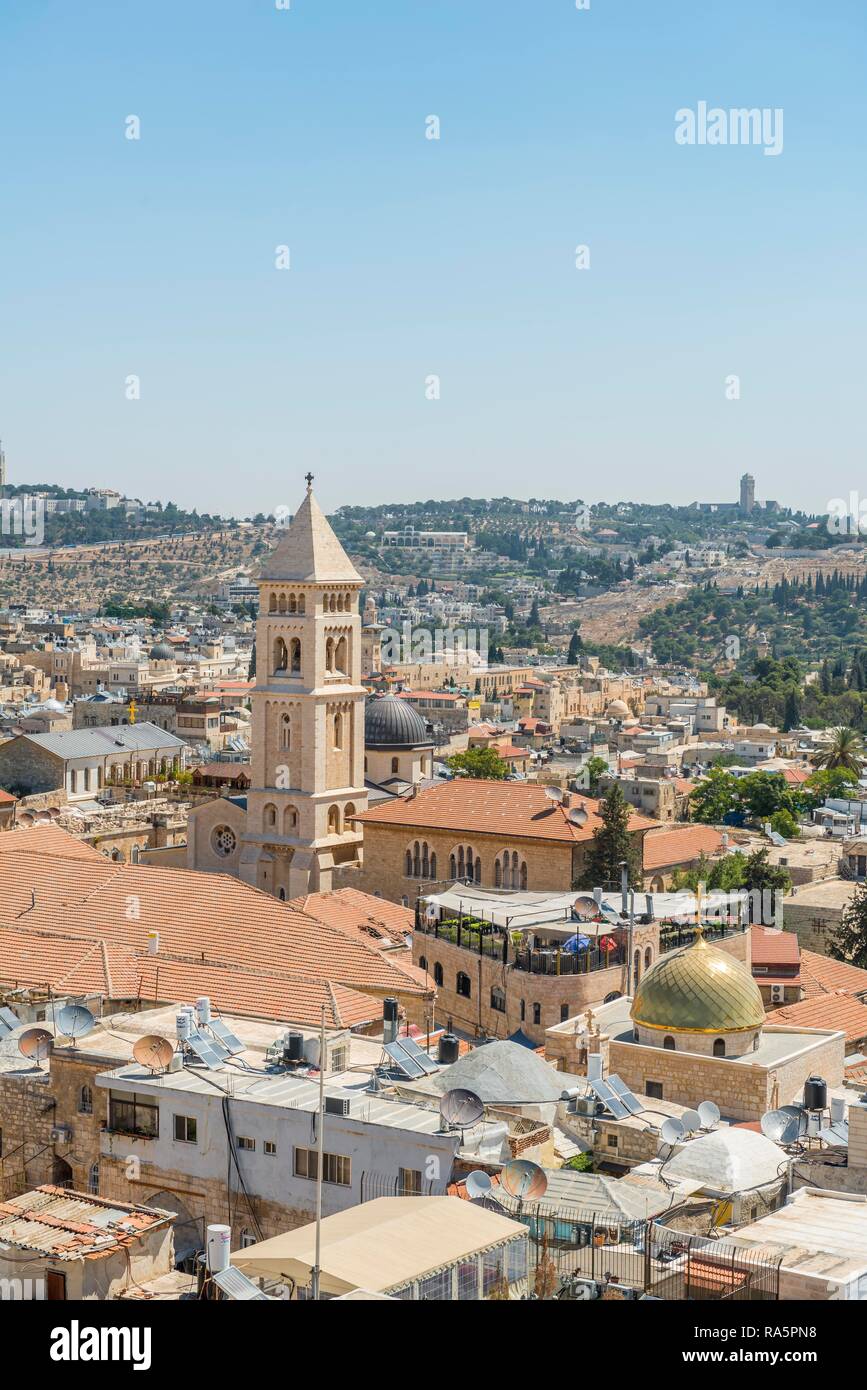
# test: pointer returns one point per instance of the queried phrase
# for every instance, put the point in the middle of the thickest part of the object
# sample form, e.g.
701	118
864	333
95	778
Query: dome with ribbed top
698	989
390	722
161	652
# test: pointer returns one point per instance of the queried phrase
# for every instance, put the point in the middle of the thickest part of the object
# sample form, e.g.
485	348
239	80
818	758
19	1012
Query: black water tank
815	1093
448	1050
389	1010
293	1047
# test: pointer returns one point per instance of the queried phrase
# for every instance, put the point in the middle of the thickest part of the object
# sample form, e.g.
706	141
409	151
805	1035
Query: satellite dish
74	1021
554	794
578	816
784	1126
153	1052
478	1184
708	1113
35	1043
691	1121
523	1179
461	1109
672	1131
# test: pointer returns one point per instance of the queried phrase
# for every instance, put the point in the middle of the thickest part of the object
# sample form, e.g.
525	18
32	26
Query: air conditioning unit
337	1105
778	994
61	1134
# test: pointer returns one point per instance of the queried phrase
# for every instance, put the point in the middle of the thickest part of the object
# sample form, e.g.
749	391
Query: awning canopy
380	1245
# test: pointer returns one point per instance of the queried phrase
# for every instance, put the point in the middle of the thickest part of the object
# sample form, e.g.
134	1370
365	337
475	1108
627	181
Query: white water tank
183	1023
203	1009
219	1240
312	1051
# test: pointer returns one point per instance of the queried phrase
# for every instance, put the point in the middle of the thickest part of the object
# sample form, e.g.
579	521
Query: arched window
272	603
668	1042
537	1013
340	603
281	604
282	895
408	864
348	811
425	860
648	958
85	1101
286	732
270	816
334	820
461	867
416	859
498	1000
340	655
281	657
93	1179
453	867
498	874
422	962
329	653
438	973
433	866
295	655
395	766
523	874
338	731
469	863
293	604
719	1047
462	985
290	820
636	967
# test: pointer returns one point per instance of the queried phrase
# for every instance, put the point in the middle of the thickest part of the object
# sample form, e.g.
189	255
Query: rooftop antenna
153	1052
478	1185
461	1109
36	1043
708	1113
74	1021
672	1132
524	1180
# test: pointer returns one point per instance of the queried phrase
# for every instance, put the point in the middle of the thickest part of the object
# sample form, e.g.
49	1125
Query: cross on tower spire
309	480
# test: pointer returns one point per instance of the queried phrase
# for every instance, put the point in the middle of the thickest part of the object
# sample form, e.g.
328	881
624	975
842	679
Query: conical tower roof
309	552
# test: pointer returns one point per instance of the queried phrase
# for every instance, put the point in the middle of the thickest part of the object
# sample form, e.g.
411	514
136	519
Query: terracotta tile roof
67	1225
506	809
6	797
665	848
253	954
774	947
352	911
838	1011
822	975
48	839
795	776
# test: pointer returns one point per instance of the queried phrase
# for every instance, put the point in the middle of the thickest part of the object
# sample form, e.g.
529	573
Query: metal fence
635	1258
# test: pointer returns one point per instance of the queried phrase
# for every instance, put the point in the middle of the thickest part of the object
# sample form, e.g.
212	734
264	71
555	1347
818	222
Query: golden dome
698	989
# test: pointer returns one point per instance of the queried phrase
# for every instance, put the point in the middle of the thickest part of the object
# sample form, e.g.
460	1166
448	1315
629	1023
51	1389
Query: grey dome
161	652
390	722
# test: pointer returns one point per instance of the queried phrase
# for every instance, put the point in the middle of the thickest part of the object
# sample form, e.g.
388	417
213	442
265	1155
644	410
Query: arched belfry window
295	655
281	656
285	732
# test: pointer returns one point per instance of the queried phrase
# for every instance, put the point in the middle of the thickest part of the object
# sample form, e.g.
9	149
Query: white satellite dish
783	1127
691	1121
708	1113
578	816
554	794
672	1131
478	1184
74	1021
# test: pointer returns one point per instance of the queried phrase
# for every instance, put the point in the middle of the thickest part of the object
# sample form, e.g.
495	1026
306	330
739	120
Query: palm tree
845	750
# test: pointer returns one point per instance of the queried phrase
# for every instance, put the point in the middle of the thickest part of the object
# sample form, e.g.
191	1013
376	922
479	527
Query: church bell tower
308	714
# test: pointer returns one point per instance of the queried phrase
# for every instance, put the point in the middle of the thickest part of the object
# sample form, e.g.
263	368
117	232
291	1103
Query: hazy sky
413	257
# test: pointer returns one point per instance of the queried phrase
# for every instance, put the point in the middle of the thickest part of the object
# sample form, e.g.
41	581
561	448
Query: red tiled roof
665	848
6	797
769	947
822	975
837	1011
81	918
512	809
795	776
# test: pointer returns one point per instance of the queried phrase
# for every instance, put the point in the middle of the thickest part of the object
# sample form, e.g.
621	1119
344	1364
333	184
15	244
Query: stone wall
26	1120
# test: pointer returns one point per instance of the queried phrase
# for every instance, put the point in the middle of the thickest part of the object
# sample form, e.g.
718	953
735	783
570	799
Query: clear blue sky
411	257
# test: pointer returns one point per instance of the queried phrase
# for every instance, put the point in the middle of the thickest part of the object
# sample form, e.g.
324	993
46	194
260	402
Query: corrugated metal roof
86	743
